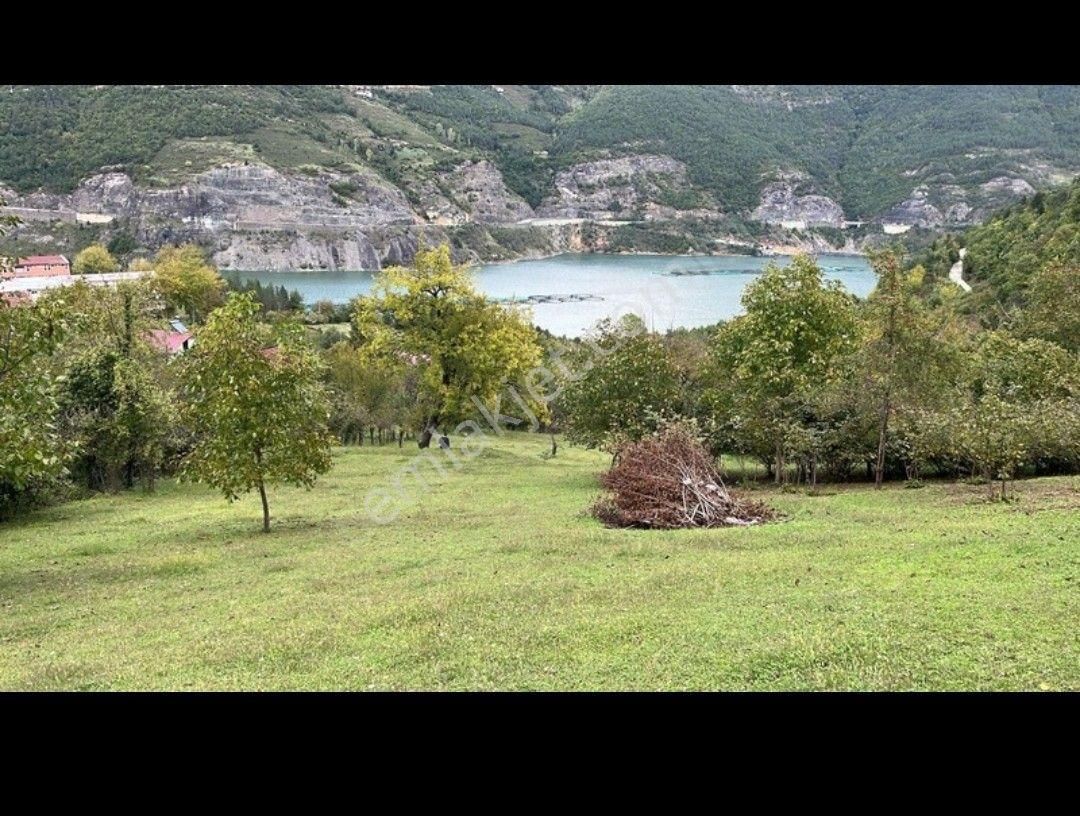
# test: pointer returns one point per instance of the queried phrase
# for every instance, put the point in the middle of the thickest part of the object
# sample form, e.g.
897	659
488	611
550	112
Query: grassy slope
500	581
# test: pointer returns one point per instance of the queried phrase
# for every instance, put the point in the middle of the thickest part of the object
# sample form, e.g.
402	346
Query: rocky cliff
643	185
250	215
478	191
781	204
327	169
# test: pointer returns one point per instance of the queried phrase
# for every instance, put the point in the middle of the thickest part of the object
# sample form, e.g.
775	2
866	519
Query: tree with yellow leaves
466	348
187	281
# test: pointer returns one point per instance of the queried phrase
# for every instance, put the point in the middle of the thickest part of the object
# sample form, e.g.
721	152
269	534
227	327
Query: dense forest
867	147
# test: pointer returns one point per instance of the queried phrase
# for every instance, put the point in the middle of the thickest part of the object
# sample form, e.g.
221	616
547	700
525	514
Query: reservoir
567	294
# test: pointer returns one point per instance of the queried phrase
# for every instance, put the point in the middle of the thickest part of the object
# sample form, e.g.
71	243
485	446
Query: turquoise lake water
567	294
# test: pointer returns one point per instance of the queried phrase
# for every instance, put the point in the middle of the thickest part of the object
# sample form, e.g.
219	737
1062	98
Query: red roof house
42	266
171	342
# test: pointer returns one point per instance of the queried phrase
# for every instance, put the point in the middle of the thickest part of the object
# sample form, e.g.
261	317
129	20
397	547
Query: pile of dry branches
668	481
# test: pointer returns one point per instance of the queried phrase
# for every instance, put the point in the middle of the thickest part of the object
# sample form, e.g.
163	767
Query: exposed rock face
435	206
477	189
277	252
370	249
612	187
958	213
780	204
1011	187
259	218
252	196
916	211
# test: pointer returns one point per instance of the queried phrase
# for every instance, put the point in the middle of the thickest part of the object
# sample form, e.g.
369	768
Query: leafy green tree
897	350
94	260
31	449
1025	371
109	364
994	436
768	363
366	393
32	452
1053	307
619	387
255	403
145	418
463	346
87	410
186	280
122	244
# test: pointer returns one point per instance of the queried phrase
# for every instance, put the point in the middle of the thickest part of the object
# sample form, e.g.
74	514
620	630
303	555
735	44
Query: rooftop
42	260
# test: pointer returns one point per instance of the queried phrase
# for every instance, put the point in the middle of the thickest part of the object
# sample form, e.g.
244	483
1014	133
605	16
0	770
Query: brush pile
669	481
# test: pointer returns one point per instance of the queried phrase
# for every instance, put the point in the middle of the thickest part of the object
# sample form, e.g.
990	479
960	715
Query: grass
182	159
286	148
499	579
389	124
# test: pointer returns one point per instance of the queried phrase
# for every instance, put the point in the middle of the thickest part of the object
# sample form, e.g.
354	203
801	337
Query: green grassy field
498	579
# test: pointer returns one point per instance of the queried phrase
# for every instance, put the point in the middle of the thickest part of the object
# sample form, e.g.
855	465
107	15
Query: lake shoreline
550	256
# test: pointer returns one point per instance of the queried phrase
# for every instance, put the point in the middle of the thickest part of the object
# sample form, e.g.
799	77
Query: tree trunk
262	492
883	429
400	438
429	430
266	507
554	447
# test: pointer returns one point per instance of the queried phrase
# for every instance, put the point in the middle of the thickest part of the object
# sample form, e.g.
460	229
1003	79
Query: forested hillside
869	148
1022	264
54	136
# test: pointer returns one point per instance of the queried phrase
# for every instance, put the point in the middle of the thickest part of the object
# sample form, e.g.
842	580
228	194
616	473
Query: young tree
463	346
620	387
994	436
187	281
94	260
255	403
896	353
768	363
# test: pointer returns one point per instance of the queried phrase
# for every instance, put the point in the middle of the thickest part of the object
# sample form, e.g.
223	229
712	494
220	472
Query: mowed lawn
498	579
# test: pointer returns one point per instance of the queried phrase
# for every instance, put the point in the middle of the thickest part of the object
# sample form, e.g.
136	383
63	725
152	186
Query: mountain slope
868	147
325	176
